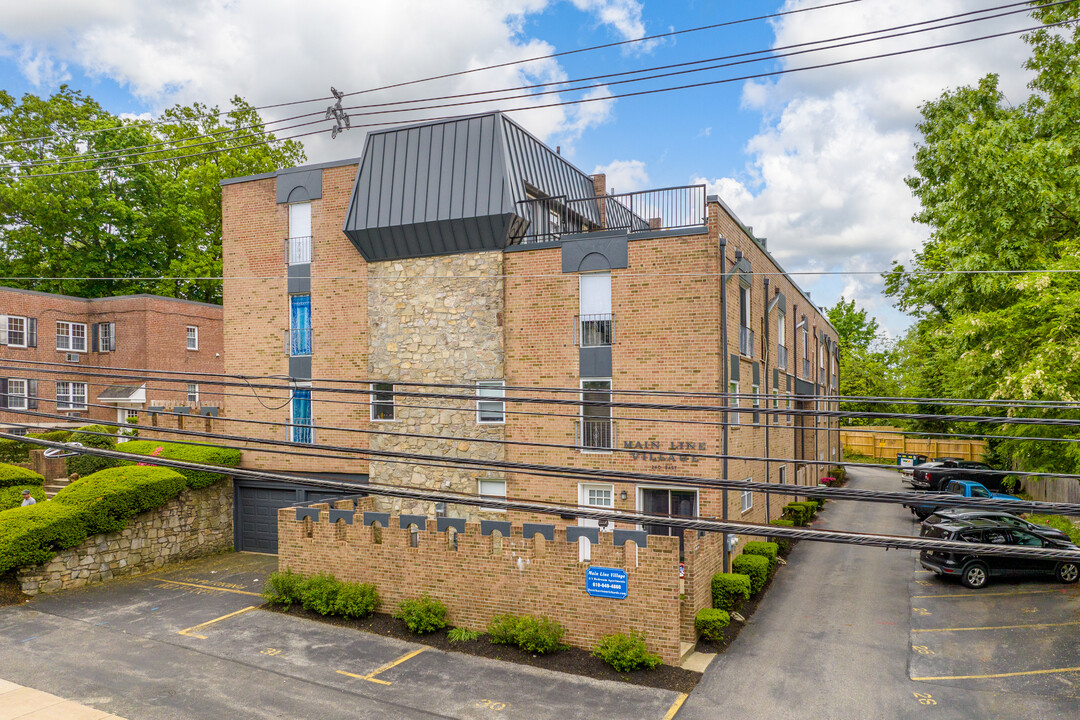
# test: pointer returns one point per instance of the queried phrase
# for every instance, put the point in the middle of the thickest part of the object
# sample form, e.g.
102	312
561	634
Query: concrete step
54	486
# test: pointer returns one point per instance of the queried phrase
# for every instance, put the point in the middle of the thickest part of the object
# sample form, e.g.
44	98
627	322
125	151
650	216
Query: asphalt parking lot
190	642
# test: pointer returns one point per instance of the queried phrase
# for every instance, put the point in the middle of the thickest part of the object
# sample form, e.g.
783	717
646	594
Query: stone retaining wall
195	523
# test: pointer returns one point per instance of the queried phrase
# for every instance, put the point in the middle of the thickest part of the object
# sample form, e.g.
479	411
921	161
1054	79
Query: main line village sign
665	458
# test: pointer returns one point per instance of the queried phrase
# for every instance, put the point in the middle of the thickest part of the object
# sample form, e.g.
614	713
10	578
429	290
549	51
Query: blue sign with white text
606	582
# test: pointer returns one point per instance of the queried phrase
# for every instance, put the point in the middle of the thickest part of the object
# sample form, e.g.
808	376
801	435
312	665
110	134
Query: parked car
936	474
963	488
955	513
974	570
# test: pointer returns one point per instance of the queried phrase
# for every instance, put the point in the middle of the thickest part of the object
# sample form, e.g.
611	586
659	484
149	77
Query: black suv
935	475
958	513
974	571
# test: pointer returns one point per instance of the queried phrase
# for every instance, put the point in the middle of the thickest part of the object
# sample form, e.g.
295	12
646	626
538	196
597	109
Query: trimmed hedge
13	451
729	589
711	622
203	454
800	512
11	497
782	543
109	498
767	550
90	464
33	535
538	635
755	566
53	435
12	475
423	616
321	593
626	653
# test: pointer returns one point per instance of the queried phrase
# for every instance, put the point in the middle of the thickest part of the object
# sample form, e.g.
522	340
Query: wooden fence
881	445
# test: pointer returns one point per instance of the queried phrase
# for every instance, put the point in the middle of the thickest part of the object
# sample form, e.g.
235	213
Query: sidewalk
26	703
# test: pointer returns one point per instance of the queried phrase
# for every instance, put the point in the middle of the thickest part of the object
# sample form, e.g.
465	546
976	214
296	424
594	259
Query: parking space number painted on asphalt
270	651
920	611
923	650
492	705
925	699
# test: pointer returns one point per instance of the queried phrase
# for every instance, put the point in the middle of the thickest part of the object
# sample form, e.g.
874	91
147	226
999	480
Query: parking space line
997	627
370	677
188	631
211	587
675	706
998	675
985	594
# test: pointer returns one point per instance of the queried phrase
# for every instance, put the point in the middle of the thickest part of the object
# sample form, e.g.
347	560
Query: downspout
769	306
724	359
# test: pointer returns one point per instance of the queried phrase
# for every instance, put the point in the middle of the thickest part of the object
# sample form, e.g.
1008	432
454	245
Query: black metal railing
746	341
671	208
781	357
596	433
594	330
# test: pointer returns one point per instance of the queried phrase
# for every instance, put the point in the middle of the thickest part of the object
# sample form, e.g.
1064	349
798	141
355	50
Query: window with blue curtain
301	416
299	325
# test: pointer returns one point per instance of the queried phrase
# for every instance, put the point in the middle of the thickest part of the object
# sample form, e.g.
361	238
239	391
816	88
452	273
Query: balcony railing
596	434
298	342
806	368
746	341
594	330
298	250
665	209
781	357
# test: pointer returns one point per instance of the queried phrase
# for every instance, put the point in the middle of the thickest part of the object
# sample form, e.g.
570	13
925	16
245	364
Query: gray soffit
452	186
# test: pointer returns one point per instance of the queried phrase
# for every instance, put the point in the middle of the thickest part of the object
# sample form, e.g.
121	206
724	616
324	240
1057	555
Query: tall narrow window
776	406
756	390
300	430
597	428
16	394
746	335
192	337
781	341
382	401
193	393
783	474
299	233
733	401
747	498
489	401
299	325
596	325
105	334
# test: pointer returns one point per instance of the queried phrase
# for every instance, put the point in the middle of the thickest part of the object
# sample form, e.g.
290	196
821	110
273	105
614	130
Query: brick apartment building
466	252
134	335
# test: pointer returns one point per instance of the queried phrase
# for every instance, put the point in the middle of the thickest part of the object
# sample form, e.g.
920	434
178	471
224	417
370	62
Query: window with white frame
491	487
193	393
733	401
299	233
106	336
598	495
192	337
756	400
783	474
300	422
70	395
16	331
776	406
747	497
16	394
490	406
790	417
71	336
382	401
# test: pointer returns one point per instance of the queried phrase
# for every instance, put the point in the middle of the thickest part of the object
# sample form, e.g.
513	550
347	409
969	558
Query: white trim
12	395
7	330
192	390
747	495
392	403
491	399
70	336
189	337
480	491
733	402
70	396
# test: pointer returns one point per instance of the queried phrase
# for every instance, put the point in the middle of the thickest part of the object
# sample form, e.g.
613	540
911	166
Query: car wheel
1067	572
975	576
923	514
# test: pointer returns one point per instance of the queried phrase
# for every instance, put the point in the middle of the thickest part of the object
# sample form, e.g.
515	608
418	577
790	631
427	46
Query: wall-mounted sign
606	582
656	451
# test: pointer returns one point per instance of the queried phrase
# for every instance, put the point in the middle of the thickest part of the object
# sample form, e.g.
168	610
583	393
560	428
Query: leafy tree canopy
99	196
867	362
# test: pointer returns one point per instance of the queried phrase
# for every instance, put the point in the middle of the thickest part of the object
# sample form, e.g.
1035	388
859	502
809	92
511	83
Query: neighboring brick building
473	255
145	333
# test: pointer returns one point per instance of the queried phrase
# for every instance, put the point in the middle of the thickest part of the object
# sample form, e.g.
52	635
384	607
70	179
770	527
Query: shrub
283	588
533	635
110	497
89	436
729	589
12	475
33	535
711	623
422	616
13	451
626	653
796	513
53	435
783	544
356	600
503	630
457	635
203	454
318	593
755	566
767	550
11	497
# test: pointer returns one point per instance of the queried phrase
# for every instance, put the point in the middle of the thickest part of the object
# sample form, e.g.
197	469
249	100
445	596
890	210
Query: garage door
255	511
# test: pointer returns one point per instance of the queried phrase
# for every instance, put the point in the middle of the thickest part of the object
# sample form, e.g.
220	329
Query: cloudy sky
814	160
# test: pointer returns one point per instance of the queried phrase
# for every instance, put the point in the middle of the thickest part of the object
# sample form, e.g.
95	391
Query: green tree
87	199
867	362
995	289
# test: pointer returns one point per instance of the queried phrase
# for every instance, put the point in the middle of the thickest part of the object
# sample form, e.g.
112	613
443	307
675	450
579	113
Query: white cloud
825	182
624	176
273	51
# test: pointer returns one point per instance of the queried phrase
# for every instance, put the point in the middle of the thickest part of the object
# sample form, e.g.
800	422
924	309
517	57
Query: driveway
189	642
852	632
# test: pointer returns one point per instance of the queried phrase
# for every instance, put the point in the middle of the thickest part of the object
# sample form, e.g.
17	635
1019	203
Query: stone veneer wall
437	320
195	523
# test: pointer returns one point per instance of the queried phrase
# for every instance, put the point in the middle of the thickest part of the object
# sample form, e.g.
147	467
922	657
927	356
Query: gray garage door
255	511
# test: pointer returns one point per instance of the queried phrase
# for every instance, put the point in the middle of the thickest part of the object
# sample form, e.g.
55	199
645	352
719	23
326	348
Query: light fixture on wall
622	495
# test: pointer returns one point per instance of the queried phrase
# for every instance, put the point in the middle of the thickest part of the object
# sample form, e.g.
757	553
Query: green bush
626	653
502	630
767	550
109	498
729	589
755	566
783	544
12	475
203	454
13	451
53	435
283	588
458	635
796	513
711	623
318	593
11	497
33	535
90	464
422	616
356	600
533	635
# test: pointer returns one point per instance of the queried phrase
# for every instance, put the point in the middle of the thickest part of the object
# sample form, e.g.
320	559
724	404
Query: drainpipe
724	360
765	368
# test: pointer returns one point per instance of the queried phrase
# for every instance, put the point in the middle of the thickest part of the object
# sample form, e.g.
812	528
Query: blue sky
815	161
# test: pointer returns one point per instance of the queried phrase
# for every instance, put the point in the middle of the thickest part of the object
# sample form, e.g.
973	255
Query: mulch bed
572	660
10	592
